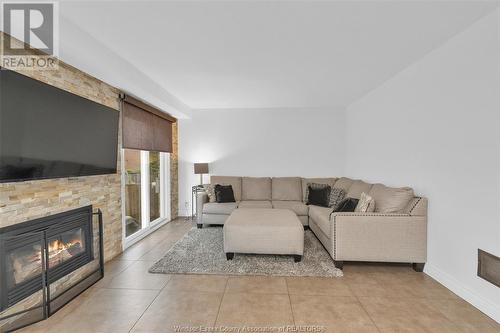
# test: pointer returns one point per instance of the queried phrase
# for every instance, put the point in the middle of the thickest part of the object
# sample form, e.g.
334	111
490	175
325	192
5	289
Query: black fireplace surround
67	244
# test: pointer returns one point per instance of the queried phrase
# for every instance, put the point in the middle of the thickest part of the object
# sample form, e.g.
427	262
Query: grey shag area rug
200	251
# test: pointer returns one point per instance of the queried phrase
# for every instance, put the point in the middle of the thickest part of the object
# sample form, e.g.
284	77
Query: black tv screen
46	132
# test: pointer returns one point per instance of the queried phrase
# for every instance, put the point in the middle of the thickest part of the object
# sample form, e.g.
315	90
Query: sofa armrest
201	199
418	207
379	237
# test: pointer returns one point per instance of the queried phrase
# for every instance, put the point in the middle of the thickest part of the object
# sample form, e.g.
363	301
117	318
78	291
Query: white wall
436	127
272	142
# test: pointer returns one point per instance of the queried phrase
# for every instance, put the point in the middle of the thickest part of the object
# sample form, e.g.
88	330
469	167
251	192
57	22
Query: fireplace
66	243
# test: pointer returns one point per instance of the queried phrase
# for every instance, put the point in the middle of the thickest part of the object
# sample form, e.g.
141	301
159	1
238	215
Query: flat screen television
46	132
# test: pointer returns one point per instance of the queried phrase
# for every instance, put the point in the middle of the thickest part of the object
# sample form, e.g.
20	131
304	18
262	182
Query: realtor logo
30	38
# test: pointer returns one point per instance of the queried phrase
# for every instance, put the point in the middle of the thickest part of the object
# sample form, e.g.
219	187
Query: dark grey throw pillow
336	194
347	205
318	196
224	193
314	186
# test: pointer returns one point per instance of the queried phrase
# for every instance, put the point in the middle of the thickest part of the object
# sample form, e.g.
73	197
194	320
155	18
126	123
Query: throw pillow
336	194
210	189
318	196
391	199
366	204
347	205
336	197
315	186
224	193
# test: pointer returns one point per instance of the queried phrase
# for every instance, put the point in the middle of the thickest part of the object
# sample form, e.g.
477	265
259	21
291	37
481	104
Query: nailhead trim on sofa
415	205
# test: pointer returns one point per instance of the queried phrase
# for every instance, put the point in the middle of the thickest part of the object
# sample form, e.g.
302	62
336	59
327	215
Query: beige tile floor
369	298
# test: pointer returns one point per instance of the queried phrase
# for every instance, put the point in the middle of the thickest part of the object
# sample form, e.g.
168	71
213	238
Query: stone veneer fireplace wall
23	201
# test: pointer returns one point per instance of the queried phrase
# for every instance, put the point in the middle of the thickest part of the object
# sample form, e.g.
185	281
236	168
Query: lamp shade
200	168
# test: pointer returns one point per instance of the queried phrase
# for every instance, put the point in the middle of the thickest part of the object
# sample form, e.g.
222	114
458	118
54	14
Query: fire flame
56	246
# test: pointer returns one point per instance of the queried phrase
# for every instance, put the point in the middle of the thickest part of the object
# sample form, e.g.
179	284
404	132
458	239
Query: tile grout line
153	248
290	301
492	324
164	239
389	297
124	268
366	311
147	308
362	307
134	261
221	300
142	314
145	239
154	299
127	288
114	276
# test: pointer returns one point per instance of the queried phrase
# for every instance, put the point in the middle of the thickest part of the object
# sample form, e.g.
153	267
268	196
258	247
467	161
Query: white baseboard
489	308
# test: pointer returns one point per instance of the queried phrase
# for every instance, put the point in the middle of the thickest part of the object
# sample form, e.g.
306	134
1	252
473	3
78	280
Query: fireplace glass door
15	271
24	263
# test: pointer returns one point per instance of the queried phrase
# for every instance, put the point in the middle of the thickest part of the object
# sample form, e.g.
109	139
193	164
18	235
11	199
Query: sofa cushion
286	188
343	183
390	199
358	187
298	207
255	204
305	181
256	188
235	182
321	216
225	208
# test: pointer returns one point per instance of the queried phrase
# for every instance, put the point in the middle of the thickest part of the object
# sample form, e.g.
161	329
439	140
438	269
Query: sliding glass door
146	179
154	186
133	195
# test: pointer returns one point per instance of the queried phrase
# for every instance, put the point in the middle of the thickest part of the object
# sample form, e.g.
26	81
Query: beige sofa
395	232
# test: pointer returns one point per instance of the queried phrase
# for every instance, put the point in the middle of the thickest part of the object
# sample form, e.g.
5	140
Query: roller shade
145	127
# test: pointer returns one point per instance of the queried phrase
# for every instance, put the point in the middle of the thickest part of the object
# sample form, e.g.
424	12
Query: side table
194	203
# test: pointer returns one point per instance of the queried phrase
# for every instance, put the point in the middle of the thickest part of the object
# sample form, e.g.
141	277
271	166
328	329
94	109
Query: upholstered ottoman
263	231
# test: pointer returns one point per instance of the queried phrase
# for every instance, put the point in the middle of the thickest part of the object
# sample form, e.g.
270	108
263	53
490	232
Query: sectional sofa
395	232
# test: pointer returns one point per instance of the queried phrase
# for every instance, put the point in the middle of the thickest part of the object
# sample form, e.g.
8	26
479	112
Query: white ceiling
244	54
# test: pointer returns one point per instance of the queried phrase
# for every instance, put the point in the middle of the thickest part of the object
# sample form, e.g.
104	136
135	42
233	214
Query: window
146	192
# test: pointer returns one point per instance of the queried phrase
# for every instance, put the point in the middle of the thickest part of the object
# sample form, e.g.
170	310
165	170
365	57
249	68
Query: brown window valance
145	127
